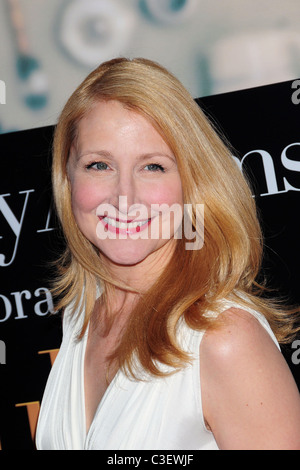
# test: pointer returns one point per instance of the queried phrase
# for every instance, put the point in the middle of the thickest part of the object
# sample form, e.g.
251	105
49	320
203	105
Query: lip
124	227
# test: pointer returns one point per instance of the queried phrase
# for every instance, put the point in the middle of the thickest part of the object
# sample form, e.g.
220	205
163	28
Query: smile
123	227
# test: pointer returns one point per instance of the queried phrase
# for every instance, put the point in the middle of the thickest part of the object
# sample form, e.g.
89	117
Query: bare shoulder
245	379
238	332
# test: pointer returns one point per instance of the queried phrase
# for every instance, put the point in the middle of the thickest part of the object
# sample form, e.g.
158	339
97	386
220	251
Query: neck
139	277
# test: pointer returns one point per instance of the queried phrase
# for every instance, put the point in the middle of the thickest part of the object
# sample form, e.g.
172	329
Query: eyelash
91	165
157	165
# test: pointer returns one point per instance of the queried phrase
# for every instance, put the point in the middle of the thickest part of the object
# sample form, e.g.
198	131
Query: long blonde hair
194	281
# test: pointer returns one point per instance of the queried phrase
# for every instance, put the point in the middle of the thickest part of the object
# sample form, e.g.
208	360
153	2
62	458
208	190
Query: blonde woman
166	344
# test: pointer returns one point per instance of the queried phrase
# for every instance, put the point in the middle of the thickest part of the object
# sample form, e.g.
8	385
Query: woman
167	344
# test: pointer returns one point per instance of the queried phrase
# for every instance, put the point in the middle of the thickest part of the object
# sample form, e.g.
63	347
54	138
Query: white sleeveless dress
153	414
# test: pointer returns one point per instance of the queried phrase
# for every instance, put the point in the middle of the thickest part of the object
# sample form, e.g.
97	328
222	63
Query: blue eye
155	167
100	166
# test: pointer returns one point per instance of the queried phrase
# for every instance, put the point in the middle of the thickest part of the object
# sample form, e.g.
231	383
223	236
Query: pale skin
250	399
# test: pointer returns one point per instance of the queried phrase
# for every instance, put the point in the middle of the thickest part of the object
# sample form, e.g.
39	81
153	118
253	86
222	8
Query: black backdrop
262	124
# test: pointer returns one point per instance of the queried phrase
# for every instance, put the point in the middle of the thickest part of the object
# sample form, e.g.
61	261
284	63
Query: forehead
109	113
111	121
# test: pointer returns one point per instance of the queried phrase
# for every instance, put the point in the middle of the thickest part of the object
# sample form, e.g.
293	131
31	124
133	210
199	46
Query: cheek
167	202
168	193
85	197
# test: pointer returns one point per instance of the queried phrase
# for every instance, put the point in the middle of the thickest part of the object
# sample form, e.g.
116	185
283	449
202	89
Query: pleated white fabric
153	414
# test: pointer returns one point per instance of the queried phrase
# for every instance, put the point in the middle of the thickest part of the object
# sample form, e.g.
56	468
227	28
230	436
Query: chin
127	254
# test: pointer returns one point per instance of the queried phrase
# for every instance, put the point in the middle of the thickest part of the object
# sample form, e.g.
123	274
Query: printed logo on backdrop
275	183
15	223
14	211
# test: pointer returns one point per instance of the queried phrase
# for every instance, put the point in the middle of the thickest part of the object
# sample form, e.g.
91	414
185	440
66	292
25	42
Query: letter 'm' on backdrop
263	126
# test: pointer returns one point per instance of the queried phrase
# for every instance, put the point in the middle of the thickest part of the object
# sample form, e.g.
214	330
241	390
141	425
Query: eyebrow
101	153
142	157
156	155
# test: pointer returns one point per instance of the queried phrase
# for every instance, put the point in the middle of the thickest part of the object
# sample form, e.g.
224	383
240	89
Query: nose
125	192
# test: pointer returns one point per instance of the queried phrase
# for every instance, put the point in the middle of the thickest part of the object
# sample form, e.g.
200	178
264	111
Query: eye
100	166
155	167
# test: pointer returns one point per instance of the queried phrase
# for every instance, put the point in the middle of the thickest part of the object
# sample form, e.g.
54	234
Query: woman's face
126	190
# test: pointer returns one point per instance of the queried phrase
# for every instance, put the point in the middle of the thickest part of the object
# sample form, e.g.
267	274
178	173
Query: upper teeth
124	225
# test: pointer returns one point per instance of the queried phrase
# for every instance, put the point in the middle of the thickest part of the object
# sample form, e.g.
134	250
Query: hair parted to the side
195	281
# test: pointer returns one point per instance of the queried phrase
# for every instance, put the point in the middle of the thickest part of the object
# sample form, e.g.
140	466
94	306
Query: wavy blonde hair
194	281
